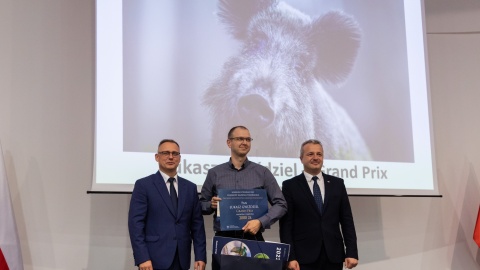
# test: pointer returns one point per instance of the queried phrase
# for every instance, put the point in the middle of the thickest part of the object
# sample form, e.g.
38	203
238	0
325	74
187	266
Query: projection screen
352	74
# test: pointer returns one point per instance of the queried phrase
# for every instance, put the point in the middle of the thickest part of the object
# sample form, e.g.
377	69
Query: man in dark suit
318	215
165	217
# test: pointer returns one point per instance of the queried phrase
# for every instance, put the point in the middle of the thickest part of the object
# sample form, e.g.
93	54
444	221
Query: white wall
47	124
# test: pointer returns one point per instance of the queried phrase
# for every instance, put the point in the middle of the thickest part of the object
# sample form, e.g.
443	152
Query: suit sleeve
198	230
286	223
136	223
348	226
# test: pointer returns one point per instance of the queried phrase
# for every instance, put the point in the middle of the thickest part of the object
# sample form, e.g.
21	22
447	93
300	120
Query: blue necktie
173	194
317	194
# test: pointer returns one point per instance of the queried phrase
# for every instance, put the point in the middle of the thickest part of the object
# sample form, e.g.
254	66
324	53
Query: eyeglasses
168	153
241	139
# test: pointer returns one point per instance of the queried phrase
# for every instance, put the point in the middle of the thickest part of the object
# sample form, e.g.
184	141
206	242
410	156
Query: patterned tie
317	194
173	194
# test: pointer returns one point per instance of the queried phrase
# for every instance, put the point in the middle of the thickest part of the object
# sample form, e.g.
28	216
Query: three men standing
166	214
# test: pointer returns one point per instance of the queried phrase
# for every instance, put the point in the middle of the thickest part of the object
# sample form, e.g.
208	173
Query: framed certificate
238	206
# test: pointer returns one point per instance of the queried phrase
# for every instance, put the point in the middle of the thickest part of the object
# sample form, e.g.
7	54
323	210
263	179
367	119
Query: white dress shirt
321	183
175	183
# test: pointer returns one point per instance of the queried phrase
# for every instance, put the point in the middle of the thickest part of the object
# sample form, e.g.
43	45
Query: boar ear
236	14
336	39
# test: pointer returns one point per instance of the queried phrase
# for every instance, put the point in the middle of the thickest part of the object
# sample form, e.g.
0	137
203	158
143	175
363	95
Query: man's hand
146	265
253	226
199	265
214	202
293	265
350	263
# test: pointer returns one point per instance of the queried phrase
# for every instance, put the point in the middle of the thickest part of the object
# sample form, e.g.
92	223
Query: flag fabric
10	252
476	232
3	262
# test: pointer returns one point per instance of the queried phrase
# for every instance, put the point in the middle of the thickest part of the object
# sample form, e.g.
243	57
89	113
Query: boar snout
255	110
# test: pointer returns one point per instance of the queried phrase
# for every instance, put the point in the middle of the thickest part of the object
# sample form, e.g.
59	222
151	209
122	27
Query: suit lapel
162	189
182	185
328	191
305	189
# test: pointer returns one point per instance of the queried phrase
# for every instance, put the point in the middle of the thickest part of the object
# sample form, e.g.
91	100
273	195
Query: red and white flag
10	252
476	232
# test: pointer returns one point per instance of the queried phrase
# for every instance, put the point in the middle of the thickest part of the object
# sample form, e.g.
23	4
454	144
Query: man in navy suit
319	214
165	217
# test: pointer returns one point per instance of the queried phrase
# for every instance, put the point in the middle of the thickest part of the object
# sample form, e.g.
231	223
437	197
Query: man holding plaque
240	173
319	224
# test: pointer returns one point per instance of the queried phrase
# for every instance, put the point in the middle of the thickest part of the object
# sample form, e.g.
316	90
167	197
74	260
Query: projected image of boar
274	85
